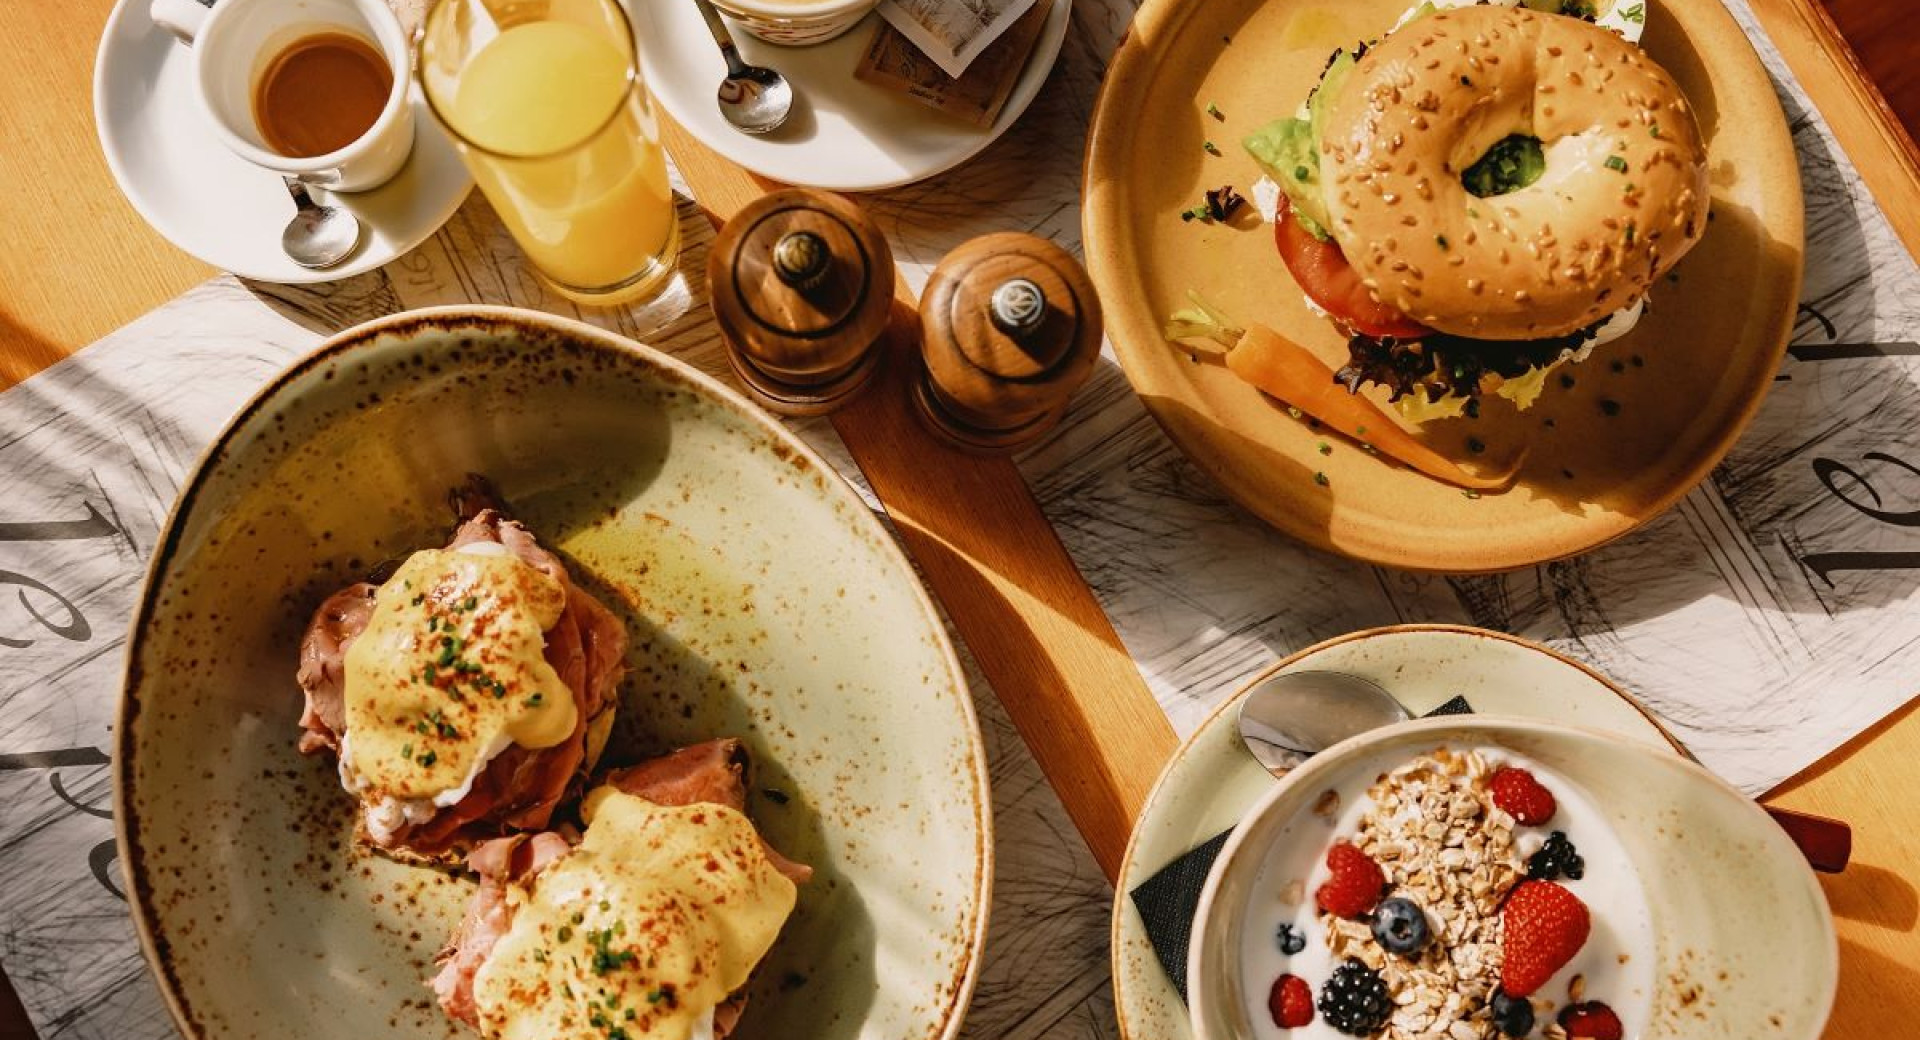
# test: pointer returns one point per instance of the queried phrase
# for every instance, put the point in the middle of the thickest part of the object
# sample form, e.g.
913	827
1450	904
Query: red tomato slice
1328	280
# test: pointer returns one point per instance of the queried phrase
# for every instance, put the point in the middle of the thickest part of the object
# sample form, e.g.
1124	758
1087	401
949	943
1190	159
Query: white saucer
844	135
1213	781
160	144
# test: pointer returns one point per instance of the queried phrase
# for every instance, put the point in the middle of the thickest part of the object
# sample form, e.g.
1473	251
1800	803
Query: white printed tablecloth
1770	617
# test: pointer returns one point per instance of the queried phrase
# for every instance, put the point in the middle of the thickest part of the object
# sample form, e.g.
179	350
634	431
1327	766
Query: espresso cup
235	41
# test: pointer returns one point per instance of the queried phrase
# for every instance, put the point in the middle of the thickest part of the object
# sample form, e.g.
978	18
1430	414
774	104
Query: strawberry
1590	1021
1543	926
1517	793
1354	883
1290	1002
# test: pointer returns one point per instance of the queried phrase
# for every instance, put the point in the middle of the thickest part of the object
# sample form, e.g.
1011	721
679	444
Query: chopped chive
1325	448
533	701
1440	240
566	934
1470	494
1214	111
406	751
470	602
1211	148
427	758
1320	478
1614	162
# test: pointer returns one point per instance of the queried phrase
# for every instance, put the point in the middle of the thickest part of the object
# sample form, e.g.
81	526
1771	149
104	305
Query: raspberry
1290	1002
1544	925
1590	1021
1517	793
1354	883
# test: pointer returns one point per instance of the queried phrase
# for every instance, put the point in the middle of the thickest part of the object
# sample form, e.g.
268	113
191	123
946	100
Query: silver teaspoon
318	236
755	99
1287	718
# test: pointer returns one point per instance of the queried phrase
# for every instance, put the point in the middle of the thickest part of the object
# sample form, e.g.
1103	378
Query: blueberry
1400	926
1513	1015
1290	939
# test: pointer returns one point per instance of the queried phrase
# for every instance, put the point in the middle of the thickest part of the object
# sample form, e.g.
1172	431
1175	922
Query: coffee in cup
320	93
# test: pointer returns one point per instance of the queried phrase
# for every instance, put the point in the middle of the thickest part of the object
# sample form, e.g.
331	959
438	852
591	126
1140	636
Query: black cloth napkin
1167	901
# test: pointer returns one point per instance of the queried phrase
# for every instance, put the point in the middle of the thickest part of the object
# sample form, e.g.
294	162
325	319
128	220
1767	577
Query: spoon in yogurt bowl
1290	717
1287	718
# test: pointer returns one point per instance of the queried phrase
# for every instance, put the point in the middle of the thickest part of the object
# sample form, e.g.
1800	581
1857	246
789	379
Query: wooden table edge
1862	122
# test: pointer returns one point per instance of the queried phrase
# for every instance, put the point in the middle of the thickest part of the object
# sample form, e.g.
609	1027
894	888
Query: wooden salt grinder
801	283
1010	329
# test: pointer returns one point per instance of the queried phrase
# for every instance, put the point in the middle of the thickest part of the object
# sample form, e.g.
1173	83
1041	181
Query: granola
1434	830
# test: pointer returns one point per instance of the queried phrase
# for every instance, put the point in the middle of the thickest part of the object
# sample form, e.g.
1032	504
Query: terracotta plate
763	600
1646	417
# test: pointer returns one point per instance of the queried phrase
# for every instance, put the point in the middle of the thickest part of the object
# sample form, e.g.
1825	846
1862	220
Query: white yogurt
1617	960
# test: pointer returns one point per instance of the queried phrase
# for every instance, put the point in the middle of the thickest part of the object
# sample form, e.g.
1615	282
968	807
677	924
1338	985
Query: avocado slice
1288	150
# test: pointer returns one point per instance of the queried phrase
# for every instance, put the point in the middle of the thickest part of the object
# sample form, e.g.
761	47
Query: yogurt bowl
796	23
1703	920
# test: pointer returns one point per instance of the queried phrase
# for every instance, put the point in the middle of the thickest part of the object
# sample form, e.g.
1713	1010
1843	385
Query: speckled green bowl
763	599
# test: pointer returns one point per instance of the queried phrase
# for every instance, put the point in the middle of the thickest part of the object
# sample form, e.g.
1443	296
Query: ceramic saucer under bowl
1212	781
162	148
844	135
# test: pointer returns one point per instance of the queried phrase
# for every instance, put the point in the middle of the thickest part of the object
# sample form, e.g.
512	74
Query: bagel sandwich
1484	194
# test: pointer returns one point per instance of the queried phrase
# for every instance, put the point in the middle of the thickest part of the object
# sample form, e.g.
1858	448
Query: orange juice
562	139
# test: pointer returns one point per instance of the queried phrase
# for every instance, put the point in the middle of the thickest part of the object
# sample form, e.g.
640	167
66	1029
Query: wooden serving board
1011	590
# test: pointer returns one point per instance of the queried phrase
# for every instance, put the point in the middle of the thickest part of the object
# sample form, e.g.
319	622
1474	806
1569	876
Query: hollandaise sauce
658	915
450	671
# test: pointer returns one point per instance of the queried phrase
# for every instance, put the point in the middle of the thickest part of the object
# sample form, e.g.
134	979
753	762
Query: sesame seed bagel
1623	195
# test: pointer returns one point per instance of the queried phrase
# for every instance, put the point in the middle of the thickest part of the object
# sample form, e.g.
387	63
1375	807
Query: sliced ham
499	863
323	655
520	788
712	772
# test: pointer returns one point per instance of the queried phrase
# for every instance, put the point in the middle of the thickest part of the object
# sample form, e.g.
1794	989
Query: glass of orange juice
545	101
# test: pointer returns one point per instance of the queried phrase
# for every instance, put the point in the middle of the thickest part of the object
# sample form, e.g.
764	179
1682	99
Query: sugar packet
953	32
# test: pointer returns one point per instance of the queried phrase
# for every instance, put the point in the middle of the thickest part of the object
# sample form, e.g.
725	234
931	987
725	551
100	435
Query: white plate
225	211
843	135
1212	781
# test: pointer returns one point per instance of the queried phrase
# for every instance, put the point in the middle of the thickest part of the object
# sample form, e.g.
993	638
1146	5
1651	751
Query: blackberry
1355	1000
1400	926
1512	1015
1290	939
1557	858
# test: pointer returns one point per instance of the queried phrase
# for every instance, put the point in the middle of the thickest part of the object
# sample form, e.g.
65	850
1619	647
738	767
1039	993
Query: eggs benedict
644	927
466	694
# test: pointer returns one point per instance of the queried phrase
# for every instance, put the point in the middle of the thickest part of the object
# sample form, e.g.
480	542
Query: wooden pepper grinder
801	283
1010	328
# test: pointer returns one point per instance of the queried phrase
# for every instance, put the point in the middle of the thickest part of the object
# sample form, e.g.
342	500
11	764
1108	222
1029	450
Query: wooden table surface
69	233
